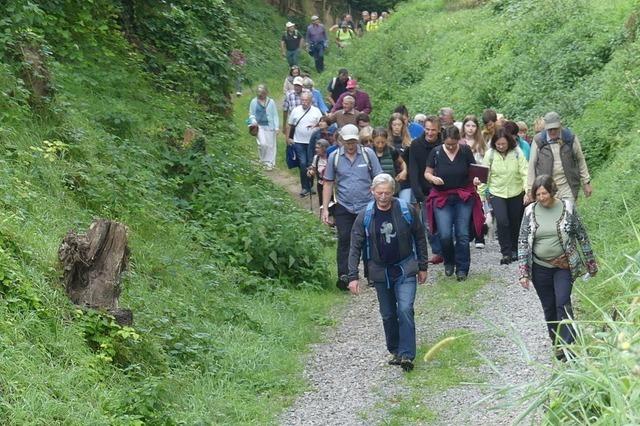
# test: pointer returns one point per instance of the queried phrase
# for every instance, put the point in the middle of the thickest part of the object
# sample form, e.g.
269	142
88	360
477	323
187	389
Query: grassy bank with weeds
226	291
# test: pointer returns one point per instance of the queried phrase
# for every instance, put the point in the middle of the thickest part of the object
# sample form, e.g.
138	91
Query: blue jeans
396	309
455	215
407	195
302	152
553	286
317	51
293	57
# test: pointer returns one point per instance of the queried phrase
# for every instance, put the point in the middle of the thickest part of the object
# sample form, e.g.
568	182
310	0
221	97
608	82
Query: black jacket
418	154
406	237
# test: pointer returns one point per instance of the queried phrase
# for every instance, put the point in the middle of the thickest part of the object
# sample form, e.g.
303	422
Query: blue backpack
368	215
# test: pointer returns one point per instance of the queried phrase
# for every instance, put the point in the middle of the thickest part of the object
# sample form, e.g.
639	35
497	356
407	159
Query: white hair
383	179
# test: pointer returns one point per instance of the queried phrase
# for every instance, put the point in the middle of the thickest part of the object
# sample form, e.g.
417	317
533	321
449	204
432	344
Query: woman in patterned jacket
553	249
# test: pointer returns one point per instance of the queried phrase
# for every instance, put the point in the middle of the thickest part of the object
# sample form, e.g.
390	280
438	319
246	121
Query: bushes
484	57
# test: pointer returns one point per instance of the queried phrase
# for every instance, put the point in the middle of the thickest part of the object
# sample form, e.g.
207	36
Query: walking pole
311	197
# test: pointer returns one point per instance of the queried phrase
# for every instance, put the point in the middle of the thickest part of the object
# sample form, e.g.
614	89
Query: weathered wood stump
93	264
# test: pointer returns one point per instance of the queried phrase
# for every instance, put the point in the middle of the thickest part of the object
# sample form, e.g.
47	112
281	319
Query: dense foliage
524	58
109	110
483	57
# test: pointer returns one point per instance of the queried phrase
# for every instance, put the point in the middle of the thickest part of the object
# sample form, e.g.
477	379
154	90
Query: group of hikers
316	39
392	191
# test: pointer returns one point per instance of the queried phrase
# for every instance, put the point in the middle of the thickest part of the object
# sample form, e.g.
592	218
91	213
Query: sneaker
479	245
406	364
304	193
436	259
370	283
461	276
394	360
514	256
505	260
448	270
238	94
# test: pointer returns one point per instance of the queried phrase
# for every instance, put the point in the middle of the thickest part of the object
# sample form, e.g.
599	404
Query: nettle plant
105	336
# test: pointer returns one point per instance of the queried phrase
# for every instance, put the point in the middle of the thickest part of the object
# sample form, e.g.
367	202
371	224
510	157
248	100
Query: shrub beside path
351	384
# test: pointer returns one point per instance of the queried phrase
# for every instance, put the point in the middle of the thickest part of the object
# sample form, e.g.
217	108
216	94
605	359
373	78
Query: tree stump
93	264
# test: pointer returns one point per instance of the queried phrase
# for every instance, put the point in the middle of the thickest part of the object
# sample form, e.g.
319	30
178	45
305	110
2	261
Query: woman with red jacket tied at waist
453	201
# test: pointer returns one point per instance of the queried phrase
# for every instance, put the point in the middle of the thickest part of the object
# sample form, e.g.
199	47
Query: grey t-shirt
353	178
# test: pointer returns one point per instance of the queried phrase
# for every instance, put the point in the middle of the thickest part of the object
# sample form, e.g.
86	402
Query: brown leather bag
561	261
253	130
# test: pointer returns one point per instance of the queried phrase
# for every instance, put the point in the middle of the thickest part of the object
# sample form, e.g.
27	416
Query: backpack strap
366	222
408	217
406	213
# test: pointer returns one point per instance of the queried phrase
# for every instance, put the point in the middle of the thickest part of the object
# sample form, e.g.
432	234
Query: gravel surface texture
351	384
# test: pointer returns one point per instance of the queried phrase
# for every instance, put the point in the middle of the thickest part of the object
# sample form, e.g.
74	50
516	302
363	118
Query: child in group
390	159
318	166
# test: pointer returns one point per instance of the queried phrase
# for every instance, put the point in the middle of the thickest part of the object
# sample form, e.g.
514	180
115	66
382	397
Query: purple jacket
363	104
316	33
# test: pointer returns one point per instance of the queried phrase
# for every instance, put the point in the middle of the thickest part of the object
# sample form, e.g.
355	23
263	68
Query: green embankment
226	291
524	58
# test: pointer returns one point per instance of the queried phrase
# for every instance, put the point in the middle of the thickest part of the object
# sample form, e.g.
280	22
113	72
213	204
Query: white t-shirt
305	126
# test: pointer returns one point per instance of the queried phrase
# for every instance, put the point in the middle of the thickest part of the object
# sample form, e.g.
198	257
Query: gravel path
351	384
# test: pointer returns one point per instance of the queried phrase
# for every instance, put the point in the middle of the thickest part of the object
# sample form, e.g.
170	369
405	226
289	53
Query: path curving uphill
351	384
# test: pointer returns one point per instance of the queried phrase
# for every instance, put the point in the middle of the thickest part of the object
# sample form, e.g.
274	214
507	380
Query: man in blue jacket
391	235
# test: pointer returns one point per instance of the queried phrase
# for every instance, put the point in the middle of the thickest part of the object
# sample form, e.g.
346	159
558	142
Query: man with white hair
304	119
446	118
350	169
348	114
316	98
390	234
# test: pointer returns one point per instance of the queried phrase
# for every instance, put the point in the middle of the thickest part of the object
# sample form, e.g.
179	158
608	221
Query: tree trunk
93	264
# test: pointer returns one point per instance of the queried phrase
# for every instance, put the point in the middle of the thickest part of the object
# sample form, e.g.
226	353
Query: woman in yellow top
373	23
344	36
507	185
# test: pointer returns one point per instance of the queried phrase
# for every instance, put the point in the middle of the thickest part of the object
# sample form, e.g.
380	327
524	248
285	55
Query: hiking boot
394	360
448	270
436	259
406	364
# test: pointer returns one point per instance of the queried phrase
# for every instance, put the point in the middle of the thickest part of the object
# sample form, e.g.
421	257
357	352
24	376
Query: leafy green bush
425	58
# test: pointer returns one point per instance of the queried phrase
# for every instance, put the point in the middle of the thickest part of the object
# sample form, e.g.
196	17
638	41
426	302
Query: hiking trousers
344	220
508	213
553	286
